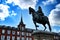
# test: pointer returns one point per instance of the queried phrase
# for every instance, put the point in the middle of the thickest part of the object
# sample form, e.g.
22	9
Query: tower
21	25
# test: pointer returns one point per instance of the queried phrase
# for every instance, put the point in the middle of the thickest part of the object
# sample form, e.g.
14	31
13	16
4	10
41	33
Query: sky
11	11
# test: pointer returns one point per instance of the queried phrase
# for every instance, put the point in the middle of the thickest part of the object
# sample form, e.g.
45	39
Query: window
27	38
3	31
8	37
13	32
22	28
35	39
23	38
30	38
2	37
18	38
55	37
18	33
13	37
8	31
27	34
23	33
46	39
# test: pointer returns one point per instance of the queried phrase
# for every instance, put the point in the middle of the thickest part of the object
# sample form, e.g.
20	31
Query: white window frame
22	38
30	38
18	38
2	37
8	37
13	32
23	33
27	38
13	37
3	31
8	31
27	34
18	33
22	28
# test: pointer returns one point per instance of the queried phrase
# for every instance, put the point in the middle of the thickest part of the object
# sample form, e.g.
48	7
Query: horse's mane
31	9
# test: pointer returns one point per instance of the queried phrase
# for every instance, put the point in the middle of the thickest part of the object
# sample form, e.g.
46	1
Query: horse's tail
49	26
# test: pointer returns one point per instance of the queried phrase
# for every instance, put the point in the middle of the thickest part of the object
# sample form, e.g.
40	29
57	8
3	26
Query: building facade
19	33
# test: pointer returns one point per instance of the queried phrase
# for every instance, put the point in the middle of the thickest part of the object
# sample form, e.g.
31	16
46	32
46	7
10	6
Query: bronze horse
39	19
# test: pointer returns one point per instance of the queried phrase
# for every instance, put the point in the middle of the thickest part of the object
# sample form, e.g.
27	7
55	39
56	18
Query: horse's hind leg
35	25
45	27
49	26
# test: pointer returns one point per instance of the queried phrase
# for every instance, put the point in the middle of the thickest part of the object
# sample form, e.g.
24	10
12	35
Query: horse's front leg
35	25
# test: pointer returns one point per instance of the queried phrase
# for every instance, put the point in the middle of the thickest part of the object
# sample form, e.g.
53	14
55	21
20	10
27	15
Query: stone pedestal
45	35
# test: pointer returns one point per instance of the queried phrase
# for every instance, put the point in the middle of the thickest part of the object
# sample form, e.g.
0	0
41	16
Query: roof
14	28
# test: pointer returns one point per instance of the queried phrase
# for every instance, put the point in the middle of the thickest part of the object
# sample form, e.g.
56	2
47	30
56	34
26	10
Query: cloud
4	13
54	16
13	13
55	30
23	4
47	2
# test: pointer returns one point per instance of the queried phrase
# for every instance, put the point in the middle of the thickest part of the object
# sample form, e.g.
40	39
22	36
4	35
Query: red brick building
19	33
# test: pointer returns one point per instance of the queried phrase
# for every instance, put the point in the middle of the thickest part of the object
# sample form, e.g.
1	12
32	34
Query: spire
21	25
21	22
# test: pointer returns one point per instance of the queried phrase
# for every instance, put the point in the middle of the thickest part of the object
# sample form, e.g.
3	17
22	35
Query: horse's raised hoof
37	26
50	30
44	29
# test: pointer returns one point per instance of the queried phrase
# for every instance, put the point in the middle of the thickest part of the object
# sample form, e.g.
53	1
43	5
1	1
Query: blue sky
11	10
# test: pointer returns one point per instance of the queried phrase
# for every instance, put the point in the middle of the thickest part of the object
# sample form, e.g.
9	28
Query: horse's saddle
40	16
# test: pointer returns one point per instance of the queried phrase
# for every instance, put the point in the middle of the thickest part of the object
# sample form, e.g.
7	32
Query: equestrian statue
39	17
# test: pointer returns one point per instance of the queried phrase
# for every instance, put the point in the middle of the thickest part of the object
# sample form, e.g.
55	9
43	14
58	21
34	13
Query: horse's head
31	10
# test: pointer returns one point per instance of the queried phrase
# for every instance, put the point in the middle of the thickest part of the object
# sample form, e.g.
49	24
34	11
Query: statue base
45	35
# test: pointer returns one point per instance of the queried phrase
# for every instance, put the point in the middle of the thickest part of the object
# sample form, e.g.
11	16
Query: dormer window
22	28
